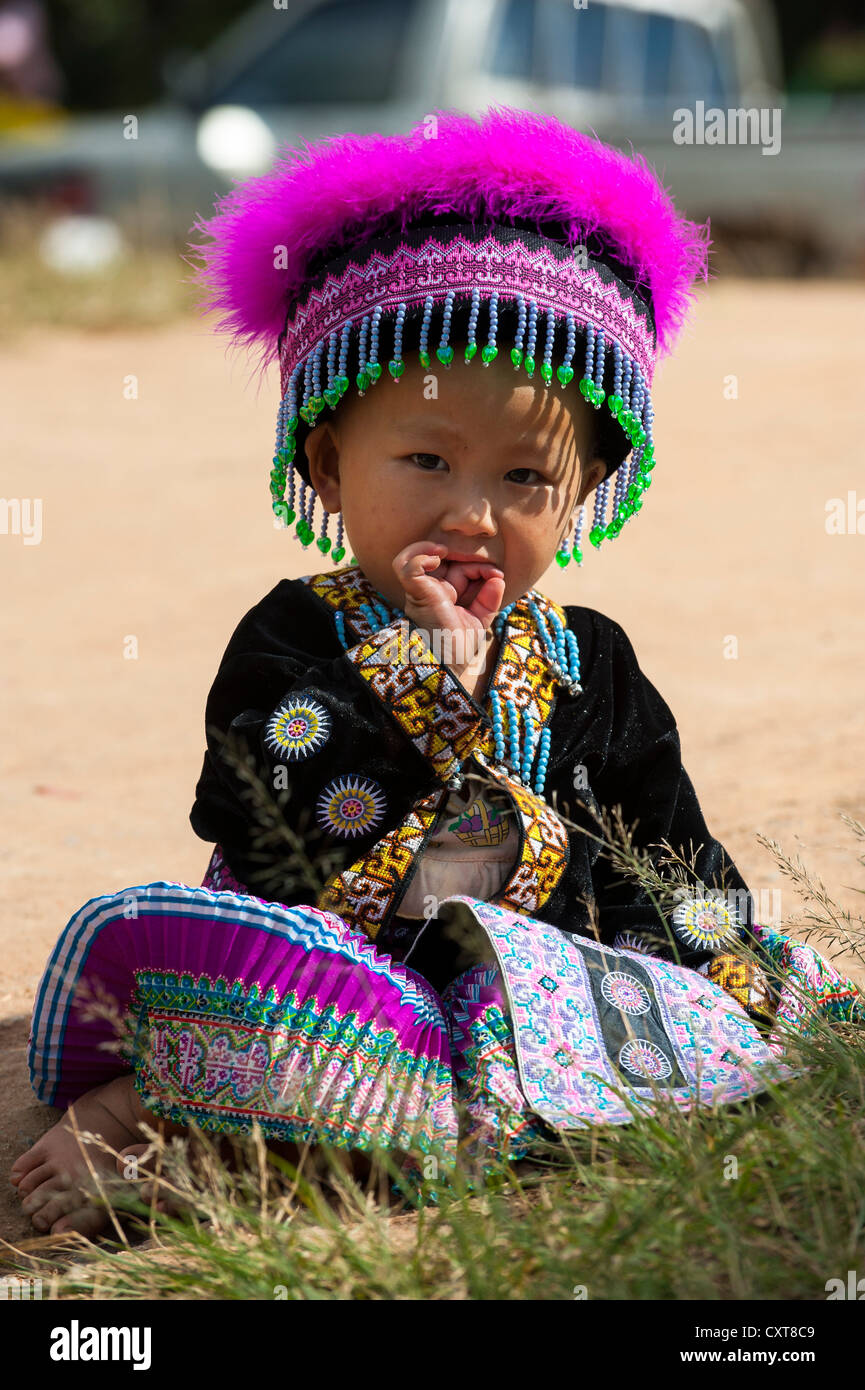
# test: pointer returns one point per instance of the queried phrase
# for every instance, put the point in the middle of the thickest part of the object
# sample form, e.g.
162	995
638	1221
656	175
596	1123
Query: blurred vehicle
623	68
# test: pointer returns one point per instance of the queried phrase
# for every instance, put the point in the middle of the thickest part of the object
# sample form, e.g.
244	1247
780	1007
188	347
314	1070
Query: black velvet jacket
367	736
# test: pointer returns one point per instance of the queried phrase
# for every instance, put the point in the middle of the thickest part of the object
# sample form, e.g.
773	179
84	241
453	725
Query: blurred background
120	119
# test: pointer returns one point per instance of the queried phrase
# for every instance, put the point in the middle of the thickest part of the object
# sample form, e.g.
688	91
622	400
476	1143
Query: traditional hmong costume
469	941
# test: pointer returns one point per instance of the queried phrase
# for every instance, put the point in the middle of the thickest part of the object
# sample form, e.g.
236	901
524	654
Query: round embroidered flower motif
705	923
297	729
641	942
625	992
644	1058
350	806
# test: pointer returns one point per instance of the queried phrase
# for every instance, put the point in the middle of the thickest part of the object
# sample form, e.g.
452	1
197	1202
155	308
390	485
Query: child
422	708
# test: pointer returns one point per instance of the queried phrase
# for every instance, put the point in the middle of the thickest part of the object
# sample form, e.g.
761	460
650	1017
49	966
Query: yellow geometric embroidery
447	728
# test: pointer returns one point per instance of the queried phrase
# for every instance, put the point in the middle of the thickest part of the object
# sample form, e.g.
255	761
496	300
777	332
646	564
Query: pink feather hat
515	214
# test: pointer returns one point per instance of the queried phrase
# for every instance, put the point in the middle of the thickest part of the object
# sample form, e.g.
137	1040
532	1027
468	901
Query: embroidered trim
366	892
421	694
410	274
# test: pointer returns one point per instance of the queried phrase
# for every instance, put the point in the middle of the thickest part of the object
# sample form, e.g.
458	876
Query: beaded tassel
339	550
518	764
597	398
342	381
362	379
323	541
491	351
471	344
517	353
565	372
578	534
423	349
331	391
444	352
530	342
396	365
547	364
562	654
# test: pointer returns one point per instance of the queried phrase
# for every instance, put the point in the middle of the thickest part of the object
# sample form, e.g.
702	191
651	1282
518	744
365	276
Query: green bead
424	357
338	554
396	368
648	453
578	556
641	435
323	544
562	558
332	397
546	372
280	510
599	397
615	403
585	387
291	427
353	560
342	383
648	464
637	505
565	374
290	515
362	380
489	353
631	493
445	355
517	357
596	535
471	349
374	369
529	365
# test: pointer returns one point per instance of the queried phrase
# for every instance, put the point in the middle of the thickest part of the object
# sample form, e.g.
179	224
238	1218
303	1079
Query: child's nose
470	514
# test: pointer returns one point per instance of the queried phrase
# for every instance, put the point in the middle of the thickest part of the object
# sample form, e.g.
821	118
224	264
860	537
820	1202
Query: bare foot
53	1177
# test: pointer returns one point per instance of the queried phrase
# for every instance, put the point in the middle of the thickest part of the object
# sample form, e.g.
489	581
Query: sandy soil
156	526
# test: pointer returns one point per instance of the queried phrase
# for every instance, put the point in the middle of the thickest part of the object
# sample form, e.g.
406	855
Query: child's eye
426	456
528	470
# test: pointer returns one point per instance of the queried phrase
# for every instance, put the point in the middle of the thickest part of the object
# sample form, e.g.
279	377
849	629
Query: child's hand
458	596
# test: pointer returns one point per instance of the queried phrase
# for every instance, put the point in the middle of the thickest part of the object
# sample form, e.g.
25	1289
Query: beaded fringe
629	403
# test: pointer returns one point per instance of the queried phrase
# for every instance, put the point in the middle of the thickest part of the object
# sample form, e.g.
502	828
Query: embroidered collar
533	632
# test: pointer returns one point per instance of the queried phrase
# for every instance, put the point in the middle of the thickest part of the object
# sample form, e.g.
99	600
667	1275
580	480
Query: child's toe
87	1221
24	1163
55	1205
34	1178
56	1184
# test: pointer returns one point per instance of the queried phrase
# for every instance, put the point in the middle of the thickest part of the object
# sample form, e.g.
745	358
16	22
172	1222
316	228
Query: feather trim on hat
344	190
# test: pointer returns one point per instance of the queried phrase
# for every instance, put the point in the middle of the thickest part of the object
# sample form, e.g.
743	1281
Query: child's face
494	469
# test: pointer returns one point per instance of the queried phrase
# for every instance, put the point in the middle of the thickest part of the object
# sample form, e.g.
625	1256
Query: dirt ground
156	527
